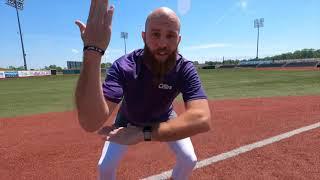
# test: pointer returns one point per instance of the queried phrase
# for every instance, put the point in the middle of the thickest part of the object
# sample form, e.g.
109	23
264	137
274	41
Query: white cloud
243	4
184	6
207	46
74	51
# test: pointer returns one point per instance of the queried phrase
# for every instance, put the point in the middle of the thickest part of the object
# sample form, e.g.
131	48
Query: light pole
124	35
258	23
18	5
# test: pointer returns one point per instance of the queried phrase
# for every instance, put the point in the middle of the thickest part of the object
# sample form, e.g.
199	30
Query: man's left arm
196	119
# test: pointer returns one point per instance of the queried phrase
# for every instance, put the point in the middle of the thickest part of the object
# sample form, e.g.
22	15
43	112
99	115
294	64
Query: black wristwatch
147	131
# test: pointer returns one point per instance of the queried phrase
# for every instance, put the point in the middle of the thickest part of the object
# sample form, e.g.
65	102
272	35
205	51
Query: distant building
74	64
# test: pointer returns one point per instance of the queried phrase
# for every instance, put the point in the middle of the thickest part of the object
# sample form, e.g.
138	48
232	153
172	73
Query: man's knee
189	160
192	161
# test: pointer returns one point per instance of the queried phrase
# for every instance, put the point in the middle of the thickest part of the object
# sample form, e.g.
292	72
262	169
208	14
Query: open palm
97	32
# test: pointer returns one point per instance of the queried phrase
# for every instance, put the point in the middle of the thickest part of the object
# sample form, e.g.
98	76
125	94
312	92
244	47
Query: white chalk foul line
240	150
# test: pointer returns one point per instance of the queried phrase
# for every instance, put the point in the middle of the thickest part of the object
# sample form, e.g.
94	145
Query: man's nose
163	43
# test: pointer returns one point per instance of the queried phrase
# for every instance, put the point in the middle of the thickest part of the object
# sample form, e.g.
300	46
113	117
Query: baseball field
266	125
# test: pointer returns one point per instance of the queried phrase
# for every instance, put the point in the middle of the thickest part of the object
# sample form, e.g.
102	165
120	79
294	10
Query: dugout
53	72
209	67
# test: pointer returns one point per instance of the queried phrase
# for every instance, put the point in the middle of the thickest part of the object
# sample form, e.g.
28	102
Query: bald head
161	38
164	15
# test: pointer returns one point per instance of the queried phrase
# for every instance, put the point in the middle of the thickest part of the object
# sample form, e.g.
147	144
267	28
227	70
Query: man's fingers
103	10
105	5
106	130
81	26
108	16
115	131
109	130
99	11
93	8
105	138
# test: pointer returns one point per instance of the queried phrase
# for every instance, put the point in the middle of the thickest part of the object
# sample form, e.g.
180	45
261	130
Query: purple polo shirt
130	81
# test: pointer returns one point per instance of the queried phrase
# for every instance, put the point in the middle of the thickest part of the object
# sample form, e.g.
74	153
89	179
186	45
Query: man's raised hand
97	32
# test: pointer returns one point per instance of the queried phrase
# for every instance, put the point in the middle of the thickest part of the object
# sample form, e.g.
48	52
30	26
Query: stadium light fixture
18	5
258	23
124	35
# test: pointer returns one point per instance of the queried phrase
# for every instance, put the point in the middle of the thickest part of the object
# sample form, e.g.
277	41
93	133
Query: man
146	82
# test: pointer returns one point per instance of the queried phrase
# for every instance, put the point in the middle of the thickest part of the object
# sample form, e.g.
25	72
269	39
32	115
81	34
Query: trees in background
299	54
58	68
20	68
229	61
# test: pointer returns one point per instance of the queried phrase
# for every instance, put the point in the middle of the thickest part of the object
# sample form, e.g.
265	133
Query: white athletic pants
112	154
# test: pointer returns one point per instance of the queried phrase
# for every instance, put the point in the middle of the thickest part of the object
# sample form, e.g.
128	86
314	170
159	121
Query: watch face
147	130
147	136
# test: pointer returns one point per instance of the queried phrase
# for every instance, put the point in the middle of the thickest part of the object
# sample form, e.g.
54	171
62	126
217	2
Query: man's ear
179	39
143	34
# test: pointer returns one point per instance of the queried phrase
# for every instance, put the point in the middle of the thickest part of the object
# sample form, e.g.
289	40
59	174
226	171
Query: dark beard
159	69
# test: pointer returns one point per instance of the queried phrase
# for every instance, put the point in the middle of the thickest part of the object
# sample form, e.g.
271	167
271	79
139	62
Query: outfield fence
22	74
2	76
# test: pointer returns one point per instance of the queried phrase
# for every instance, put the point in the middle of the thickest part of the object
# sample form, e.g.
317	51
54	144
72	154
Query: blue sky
210	30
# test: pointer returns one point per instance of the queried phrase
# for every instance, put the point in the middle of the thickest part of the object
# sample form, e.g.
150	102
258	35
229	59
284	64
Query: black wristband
94	48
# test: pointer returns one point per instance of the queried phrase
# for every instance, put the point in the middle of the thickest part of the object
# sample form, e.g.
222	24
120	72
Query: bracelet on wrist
94	48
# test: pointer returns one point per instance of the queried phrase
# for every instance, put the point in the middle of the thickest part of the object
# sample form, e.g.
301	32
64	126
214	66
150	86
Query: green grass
55	93
36	95
243	83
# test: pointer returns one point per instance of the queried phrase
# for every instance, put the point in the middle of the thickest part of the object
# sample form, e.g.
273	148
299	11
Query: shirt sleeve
113	84
191	84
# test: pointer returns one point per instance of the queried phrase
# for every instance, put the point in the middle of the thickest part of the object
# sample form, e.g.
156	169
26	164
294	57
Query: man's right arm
93	109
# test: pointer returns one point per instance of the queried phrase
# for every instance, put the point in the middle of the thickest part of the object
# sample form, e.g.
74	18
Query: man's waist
144	119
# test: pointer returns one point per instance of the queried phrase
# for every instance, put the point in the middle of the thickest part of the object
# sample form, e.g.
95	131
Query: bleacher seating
302	64
247	65
227	66
271	65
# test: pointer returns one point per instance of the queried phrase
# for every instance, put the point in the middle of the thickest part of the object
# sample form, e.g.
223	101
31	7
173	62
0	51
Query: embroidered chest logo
164	86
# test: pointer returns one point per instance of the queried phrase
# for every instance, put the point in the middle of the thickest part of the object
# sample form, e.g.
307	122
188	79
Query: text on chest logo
164	86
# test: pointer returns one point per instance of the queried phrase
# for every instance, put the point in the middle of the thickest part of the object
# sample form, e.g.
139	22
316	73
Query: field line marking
240	150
